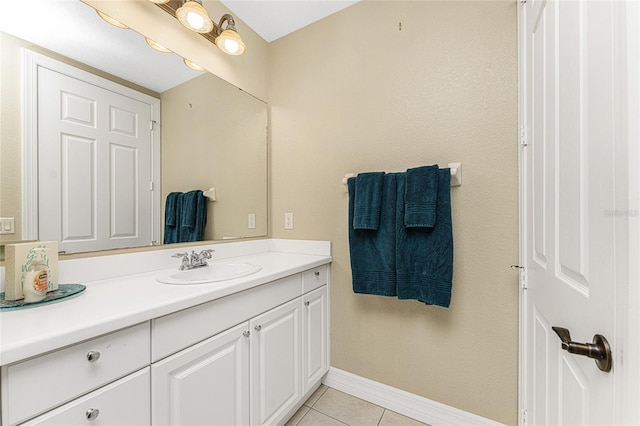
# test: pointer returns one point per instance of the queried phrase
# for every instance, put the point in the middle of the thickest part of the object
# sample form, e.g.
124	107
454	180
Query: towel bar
456	175
210	194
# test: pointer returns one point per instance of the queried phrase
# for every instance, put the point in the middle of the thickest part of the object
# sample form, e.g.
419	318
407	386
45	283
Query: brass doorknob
599	350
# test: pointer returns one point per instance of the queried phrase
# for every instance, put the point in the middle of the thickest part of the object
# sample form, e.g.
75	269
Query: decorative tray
64	291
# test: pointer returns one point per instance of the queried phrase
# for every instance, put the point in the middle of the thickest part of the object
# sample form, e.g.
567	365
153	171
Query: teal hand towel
172	218
424	256
373	260
420	196
368	200
194	216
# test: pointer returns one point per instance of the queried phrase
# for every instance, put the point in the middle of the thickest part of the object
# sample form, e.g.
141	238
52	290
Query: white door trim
30	63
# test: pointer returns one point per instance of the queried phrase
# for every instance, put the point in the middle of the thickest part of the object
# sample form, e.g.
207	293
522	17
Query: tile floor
329	407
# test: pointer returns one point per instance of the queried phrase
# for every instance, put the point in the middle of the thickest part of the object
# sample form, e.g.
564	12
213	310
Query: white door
314	341
574	106
94	165
276	384
205	384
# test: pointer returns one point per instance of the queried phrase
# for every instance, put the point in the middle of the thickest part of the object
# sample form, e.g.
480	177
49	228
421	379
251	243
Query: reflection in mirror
213	134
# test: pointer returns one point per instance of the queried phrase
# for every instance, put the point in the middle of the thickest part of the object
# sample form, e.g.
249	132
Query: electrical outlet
288	221
252	221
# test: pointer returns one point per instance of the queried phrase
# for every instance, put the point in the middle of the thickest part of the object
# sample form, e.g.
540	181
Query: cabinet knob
92	414
317	274
258	327
246	333
93	356
307	303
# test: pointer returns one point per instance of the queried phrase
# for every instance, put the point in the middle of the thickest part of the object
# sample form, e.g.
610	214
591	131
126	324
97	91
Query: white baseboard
405	403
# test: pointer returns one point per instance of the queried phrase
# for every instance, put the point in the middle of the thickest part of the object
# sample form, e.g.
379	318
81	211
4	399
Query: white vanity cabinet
248	355
57	379
207	383
256	372
276	355
315	351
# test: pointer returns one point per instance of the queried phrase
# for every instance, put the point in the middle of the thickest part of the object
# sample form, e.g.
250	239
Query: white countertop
118	302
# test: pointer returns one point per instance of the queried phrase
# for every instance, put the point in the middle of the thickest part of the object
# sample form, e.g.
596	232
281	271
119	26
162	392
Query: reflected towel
420	196
194	216
424	256
368	198
373	259
172	217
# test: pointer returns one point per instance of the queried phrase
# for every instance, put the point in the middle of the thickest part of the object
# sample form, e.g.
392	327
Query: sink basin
211	273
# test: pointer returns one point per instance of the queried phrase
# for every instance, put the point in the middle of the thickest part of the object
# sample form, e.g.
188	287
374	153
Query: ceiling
88	39
273	19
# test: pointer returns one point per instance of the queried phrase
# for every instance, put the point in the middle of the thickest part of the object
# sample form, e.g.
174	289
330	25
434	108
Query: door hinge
151	123
151	186
523	135
524	417
523	1
523	275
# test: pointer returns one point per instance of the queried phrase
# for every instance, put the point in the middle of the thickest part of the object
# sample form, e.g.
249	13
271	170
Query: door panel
570	72
94	165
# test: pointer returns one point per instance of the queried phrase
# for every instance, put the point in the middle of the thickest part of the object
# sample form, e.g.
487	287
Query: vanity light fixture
156	46
193	15
112	21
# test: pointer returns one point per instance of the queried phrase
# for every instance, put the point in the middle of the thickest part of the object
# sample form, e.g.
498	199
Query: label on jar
40	281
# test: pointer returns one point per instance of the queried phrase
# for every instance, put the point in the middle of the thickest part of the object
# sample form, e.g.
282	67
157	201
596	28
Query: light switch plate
7	225
251	221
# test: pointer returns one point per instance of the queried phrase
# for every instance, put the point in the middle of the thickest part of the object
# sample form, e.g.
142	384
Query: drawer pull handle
258	327
93	356
307	303
92	414
317	274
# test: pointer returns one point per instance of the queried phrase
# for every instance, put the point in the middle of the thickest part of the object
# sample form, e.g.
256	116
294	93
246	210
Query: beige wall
354	93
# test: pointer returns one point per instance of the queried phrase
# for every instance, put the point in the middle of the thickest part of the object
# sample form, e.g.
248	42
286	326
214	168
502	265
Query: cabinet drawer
314	278
177	331
44	382
125	402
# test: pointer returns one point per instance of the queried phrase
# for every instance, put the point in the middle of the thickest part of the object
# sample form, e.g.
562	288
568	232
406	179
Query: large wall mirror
213	135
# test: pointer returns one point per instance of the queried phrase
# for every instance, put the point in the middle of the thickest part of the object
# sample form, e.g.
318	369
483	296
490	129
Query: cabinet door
207	383
124	402
315	357
276	384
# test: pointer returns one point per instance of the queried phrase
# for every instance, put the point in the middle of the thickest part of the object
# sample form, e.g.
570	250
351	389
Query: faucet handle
180	255
206	253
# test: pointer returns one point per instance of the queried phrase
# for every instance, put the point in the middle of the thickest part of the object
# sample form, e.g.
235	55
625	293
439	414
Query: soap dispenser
36	277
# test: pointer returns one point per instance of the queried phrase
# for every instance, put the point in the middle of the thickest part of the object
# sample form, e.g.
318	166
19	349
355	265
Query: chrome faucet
195	260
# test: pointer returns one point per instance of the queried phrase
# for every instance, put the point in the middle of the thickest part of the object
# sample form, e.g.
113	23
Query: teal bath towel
424	256
185	217
420	197
368	199
172	217
194	216
373	259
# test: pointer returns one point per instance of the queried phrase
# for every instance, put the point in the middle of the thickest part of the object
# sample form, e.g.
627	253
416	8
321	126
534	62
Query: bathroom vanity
132	350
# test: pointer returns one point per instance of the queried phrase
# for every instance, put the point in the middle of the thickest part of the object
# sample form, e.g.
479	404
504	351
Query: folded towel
172	218
373	260
368	198
194	216
420	197
424	256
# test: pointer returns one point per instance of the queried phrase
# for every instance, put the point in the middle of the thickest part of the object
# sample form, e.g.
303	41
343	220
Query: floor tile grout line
331	417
